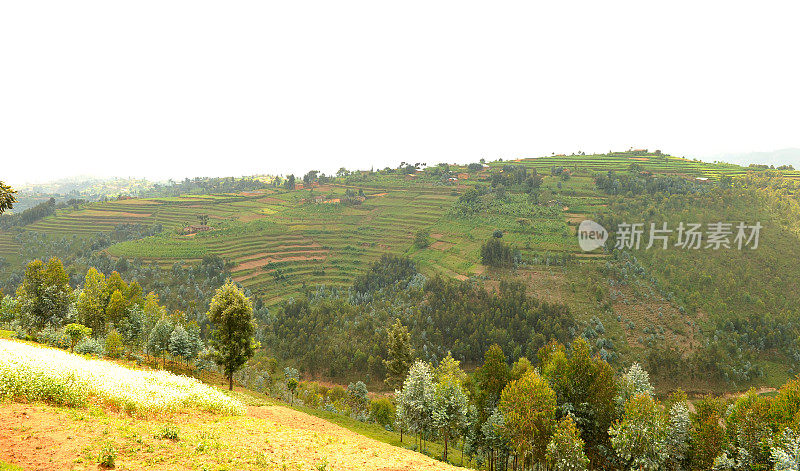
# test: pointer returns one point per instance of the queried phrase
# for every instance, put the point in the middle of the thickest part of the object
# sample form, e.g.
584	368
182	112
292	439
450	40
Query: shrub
89	346
53	337
422	239
107	456
76	332
169	432
382	411
496	253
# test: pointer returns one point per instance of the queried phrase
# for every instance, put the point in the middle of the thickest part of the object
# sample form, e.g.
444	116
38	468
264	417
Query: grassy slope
270	436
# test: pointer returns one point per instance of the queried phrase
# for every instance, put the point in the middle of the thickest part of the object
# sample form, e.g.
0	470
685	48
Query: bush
382	411
90	346
76	332
497	254
107	456
422	239
169	432
53	337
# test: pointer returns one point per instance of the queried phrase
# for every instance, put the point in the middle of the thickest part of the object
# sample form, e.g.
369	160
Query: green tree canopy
231	314
7	198
401	355
44	295
529	408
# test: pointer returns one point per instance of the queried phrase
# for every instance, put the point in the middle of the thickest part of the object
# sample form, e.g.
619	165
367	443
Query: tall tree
529	408
401	355
450	409
117	308
641	437
586	388
158	341
231	314
492	378
415	401
179	344
44	295
565	450
92	302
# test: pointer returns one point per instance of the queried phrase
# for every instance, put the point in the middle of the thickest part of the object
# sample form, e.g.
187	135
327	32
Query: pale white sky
197	88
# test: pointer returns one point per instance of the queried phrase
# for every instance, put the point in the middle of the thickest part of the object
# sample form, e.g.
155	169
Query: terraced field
278	241
656	163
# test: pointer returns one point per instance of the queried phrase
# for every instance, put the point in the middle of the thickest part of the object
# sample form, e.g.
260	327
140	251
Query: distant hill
790	156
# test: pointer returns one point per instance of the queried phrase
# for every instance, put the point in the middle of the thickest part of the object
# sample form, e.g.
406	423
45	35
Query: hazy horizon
176	89
741	158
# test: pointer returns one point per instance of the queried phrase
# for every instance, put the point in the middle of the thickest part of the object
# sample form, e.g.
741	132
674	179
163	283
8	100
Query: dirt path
42	437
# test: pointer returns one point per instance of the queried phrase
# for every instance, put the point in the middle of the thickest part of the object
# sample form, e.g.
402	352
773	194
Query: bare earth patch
41	437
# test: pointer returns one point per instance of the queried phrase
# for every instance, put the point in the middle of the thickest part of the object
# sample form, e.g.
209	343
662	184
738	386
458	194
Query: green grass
379	433
9	467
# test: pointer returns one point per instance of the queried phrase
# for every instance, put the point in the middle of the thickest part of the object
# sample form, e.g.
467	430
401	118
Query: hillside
285	244
41	436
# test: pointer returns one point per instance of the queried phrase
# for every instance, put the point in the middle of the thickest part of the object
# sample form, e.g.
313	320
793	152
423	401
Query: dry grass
42	437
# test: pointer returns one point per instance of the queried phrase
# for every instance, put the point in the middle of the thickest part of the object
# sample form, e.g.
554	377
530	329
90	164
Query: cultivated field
33	373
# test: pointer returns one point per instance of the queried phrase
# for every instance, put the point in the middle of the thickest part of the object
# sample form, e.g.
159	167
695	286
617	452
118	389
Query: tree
7	198
76	332
449	368
179	344
492	377
310	177
495	253
291	384
114	345
786	453
401	355
529	408
117	308
91	302
707	435
231	314
44	295
450	409
640	438
585	387
565	450
495	438
158	341
195	341
634	382
422	239
415	402
9	309
357	395
678	436
132	327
